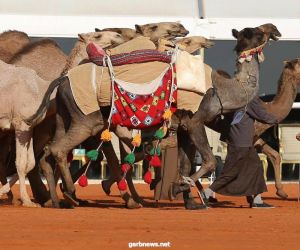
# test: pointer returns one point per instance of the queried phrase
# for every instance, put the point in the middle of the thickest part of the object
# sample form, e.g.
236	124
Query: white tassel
261	57
249	58
242	59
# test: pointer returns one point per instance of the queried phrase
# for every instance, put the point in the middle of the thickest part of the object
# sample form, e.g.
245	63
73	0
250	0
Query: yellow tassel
106	135
136	141
165	129
167	115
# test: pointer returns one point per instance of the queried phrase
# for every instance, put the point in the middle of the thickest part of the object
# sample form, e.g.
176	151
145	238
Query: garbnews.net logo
149	244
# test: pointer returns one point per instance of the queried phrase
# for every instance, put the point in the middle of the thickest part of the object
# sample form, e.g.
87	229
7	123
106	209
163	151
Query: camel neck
286	94
248	71
77	54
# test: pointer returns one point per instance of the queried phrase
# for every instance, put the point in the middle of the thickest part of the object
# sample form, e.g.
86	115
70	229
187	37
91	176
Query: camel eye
98	36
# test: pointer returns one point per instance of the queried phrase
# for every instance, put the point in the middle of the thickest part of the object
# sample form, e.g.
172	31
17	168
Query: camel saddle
91	84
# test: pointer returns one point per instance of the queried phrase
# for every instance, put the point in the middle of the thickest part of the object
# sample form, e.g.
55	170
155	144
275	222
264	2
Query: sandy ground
106	224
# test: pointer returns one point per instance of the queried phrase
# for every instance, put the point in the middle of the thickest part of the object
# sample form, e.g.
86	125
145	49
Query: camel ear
138	29
248	33
81	37
288	64
153	27
235	33
97	30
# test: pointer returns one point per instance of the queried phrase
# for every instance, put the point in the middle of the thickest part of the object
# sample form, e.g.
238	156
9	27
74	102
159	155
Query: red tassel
122	185
125	167
155	161
148	157
70	157
148	177
83	181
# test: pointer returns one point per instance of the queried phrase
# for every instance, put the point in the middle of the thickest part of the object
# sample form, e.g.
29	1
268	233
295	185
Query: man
242	174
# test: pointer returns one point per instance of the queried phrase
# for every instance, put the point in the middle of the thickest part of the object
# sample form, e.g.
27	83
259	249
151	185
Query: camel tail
32	120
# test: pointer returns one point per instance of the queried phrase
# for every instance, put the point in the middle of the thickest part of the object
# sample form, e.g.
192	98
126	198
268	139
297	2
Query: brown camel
11	42
226	96
280	107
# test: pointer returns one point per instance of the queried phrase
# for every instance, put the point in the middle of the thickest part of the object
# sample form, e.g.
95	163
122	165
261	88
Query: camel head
106	39
248	38
270	30
127	33
293	66
167	30
189	44
193	43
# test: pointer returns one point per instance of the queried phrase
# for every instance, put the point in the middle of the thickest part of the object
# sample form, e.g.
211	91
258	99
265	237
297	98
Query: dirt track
106	224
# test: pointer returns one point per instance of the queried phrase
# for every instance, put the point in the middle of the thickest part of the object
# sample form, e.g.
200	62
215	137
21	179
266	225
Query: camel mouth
276	36
208	44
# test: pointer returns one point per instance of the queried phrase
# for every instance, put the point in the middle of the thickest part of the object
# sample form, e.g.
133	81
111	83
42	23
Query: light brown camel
155	31
167	30
280	107
21	92
11	42
43	56
127	33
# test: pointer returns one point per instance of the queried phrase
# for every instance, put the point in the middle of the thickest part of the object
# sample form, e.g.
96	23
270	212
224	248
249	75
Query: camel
43	56
16	80
226	96
167	30
127	33
11	42
280	107
51	69
155	31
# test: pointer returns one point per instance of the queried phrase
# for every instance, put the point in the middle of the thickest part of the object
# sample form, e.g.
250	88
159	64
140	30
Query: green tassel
155	152
130	158
92	154
159	134
158	150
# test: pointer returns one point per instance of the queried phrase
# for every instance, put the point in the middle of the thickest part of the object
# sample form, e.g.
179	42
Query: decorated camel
28	56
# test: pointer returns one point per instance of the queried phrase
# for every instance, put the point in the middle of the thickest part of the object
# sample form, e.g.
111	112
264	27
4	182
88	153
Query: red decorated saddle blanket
139	107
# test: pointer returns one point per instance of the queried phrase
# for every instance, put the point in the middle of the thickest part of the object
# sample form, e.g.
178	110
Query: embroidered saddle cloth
135	107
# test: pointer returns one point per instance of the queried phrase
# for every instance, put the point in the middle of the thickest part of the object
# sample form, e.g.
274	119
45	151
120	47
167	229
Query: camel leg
46	163
113	164
24	163
274	157
198	137
124	150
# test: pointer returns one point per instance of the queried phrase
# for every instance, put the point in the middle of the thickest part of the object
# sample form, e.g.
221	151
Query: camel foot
139	200
173	191
106	186
65	205
15	202
281	194
190	204
51	204
4	189
131	204
30	204
71	198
